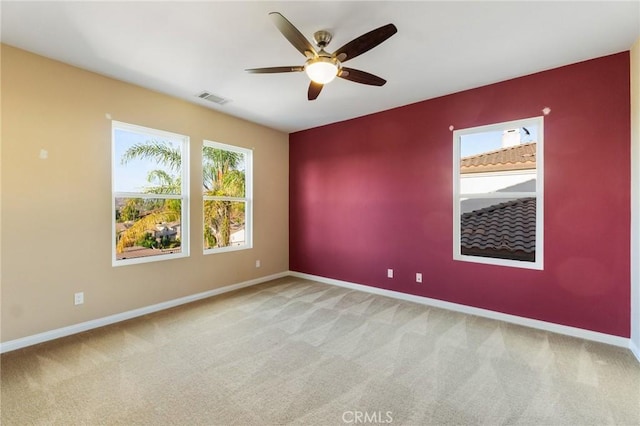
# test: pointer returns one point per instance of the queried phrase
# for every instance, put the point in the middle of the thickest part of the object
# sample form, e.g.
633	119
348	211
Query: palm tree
162	182
221	178
140	228
160	151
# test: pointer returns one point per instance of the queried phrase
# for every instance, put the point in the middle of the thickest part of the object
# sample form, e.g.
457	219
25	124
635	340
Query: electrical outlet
78	298
389	273
257	263
418	277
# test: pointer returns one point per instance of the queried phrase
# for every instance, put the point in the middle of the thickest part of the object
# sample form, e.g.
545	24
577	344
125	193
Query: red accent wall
376	192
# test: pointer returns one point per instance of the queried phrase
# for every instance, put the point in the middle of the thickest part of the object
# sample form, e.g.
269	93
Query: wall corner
635	194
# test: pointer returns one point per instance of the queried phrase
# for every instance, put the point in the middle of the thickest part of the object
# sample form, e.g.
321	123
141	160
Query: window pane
505	229
503	160
146	163
473	183
223	172
484	148
497	190
147	227
224	223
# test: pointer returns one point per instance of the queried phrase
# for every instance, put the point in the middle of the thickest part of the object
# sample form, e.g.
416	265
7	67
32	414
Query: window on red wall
498	194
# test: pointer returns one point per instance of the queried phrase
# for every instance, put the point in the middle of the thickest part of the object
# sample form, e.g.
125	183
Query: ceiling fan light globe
321	70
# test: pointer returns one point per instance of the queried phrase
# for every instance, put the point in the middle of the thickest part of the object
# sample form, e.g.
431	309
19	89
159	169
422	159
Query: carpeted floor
296	351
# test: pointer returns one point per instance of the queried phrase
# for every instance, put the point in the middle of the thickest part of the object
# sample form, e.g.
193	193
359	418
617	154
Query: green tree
160	151
147	241
222	178
131	210
162	182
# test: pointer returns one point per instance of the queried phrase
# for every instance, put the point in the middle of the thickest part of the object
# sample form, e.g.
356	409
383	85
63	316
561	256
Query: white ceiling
182	48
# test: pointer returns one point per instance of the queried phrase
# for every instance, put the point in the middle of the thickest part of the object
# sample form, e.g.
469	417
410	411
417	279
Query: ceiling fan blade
270	70
365	42
314	90
292	34
361	77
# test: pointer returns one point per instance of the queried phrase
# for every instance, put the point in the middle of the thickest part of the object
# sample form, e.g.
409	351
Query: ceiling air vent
211	97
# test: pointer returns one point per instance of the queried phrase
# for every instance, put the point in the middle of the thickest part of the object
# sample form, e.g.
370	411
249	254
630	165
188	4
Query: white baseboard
12	345
527	322
634	348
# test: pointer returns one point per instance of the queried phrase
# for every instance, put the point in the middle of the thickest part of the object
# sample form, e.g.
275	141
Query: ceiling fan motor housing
322	38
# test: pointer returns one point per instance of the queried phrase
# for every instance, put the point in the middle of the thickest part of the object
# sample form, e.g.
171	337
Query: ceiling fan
321	66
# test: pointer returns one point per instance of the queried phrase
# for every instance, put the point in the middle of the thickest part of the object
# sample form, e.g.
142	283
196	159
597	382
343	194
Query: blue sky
477	143
131	177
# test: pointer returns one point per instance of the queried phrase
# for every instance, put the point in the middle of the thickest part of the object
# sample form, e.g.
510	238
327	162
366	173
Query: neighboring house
506	231
122	226
508	169
237	237
499	228
170	230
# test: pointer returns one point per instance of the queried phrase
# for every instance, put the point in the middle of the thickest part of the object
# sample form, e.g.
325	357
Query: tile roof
506	230
517	157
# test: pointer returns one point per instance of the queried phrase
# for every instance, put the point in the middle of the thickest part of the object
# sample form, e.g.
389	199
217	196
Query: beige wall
56	213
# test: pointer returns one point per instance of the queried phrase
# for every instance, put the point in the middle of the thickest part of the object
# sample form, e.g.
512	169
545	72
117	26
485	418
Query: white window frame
538	194
183	196
247	199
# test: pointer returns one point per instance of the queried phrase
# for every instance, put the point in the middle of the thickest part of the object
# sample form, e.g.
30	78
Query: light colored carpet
301	352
